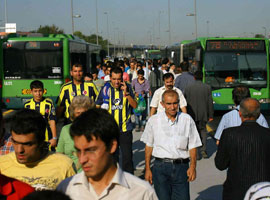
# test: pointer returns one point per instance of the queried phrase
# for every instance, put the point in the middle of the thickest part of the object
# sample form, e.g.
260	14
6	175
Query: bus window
31	63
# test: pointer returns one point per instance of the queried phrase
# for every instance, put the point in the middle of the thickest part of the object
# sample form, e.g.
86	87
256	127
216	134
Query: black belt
173	161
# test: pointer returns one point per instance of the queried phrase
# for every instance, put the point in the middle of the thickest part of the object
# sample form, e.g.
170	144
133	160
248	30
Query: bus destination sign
235	45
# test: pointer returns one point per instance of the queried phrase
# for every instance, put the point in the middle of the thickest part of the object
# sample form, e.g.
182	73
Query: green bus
175	52
153	54
229	62
24	58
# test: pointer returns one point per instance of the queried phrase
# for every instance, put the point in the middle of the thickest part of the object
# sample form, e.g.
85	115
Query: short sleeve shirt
171	139
157	98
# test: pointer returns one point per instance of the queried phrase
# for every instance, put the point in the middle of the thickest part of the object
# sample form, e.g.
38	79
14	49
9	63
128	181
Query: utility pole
97	21
169	17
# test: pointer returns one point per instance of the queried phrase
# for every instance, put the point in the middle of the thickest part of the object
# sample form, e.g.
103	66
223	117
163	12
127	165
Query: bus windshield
228	69
32	60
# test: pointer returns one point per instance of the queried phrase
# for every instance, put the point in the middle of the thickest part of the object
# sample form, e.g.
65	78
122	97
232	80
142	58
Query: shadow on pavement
211	146
211	193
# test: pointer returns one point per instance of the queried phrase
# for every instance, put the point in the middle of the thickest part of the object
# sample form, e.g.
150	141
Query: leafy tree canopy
259	36
49	29
92	39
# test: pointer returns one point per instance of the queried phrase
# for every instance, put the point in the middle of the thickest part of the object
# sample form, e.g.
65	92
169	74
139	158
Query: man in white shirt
172	138
156	106
96	134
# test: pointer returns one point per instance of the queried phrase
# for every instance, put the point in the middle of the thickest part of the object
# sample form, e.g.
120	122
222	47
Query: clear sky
137	21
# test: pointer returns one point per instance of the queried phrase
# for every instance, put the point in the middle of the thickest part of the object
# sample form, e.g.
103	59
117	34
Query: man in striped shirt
46	108
73	88
120	103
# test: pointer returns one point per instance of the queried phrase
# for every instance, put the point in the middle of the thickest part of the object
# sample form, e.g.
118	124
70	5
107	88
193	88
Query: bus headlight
264	100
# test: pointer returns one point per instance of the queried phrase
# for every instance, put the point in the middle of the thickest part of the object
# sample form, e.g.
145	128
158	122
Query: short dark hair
184	66
76	65
88	74
36	84
47	194
198	75
116	70
167	76
96	123
95	71
239	93
165	61
140	71
27	121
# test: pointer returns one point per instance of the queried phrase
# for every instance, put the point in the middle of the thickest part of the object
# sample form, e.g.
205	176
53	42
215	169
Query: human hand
123	86
53	142
148	176
191	173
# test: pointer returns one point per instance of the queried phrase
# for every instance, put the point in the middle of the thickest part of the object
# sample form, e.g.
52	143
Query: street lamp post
73	16
108	43
169	17
264	31
6	15
97	21
207	22
195	17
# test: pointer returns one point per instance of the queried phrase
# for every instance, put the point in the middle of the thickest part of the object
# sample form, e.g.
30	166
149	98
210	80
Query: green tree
259	36
49	29
92	39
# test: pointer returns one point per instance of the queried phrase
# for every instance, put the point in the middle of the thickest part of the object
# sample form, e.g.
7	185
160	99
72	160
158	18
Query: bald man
245	151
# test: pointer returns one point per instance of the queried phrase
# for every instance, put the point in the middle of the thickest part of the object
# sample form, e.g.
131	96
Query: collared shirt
6	145
119	106
138	88
181	82
70	90
157	98
171	139
123	186
232	119
44	107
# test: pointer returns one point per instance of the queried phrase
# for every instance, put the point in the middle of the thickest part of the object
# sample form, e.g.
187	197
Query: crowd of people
83	160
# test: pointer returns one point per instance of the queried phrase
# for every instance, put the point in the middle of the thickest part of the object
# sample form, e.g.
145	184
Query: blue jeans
141	122
171	181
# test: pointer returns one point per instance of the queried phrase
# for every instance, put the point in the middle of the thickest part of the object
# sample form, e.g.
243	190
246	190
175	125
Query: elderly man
245	151
172	138
232	118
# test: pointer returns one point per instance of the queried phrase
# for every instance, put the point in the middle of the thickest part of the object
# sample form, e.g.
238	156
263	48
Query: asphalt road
208	184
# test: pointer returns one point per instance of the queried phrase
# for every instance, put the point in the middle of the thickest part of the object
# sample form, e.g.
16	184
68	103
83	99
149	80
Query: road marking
9	111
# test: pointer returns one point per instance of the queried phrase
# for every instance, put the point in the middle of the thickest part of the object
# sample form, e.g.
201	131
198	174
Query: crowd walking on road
92	158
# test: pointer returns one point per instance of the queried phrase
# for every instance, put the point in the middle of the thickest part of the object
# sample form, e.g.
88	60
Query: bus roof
40	36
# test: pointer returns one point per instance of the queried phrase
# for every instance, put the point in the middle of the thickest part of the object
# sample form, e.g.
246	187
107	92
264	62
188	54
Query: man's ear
162	104
114	146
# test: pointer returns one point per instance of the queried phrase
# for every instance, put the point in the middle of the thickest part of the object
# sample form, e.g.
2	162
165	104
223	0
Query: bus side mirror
198	55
